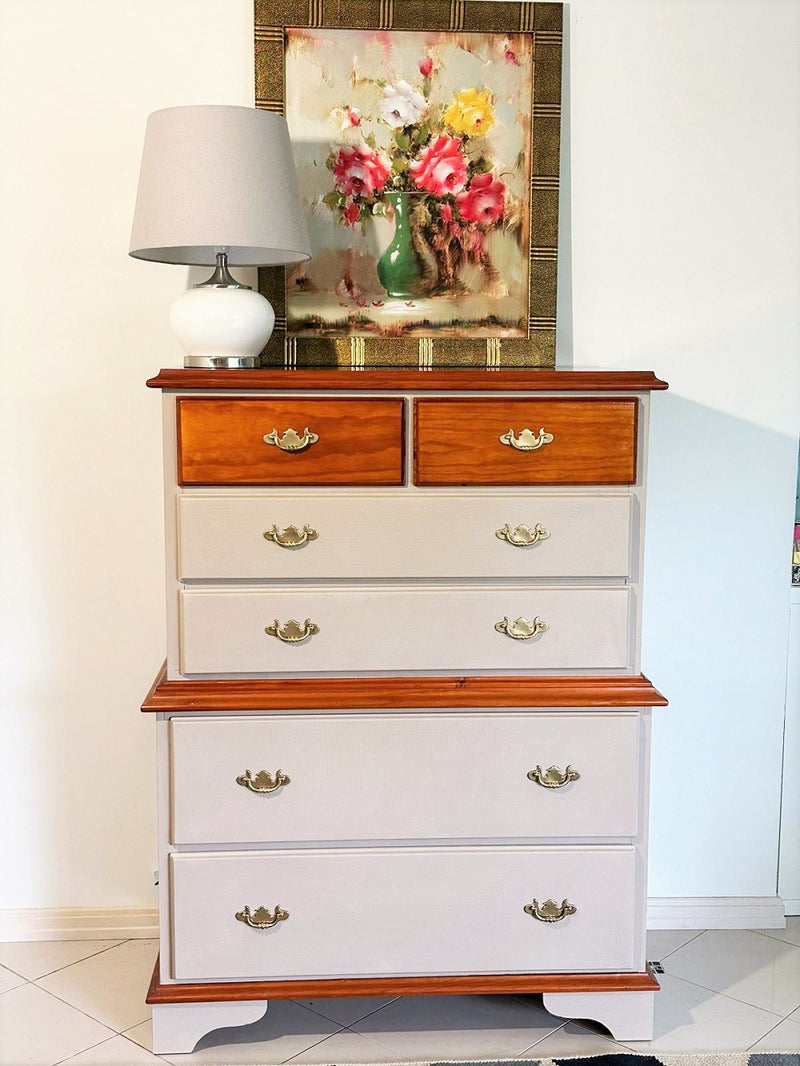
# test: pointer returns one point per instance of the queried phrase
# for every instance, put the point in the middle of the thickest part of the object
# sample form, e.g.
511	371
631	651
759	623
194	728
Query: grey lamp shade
218	178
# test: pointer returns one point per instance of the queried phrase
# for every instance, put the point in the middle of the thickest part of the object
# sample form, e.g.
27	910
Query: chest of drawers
402	689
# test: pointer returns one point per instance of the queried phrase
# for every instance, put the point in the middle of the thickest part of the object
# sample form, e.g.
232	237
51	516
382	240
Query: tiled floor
82	1003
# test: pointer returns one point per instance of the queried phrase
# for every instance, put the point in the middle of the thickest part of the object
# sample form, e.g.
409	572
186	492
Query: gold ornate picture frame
426	137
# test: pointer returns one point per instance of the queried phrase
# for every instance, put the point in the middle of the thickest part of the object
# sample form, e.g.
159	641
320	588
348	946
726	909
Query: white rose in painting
402	105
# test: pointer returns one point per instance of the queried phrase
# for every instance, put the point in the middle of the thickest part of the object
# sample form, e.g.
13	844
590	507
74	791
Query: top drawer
312	441
533	441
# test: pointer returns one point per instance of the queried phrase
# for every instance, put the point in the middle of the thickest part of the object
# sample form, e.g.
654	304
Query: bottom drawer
402	911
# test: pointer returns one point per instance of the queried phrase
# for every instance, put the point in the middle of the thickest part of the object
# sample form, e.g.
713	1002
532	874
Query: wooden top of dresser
411	380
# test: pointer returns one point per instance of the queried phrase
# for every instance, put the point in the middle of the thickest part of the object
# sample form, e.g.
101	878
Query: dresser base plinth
183	1013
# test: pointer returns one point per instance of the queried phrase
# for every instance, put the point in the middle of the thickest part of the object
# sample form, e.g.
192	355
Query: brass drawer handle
291	536
291	440
527	441
521	629
261	918
521	536
549	911
552	777
292	632
263	781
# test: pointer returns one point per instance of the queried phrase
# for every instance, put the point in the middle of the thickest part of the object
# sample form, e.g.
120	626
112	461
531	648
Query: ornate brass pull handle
521	629
552	777
260	918
521	536
292	632
527	441
549	911
291	441
291	536
263	781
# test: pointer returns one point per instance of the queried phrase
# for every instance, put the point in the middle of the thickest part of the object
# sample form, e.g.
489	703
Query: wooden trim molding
363	693
484	984
411	380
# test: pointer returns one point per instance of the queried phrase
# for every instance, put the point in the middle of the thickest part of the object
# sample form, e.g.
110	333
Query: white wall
685	246
680	254
83	326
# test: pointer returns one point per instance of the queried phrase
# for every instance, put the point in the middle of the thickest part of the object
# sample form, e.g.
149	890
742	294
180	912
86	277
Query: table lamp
218	187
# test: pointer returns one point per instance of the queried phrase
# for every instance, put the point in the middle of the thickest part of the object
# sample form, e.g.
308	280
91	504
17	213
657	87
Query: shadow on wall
716	613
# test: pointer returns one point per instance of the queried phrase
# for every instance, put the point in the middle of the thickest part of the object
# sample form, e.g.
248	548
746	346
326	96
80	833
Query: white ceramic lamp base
221	327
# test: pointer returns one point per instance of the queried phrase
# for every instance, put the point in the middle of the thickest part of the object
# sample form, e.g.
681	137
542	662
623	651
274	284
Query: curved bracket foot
177	1027
627	1015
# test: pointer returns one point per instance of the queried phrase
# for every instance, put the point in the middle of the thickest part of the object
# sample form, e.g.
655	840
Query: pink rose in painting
352	213
359	171
441	168
483	202
447	213
426	66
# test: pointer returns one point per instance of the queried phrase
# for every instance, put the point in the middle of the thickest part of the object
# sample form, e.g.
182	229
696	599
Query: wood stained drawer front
309	441
550	441
403	629
364	912
272	536
410	776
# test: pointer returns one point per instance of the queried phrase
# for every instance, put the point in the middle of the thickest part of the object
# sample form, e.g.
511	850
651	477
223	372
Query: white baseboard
716	912
79	923
129	923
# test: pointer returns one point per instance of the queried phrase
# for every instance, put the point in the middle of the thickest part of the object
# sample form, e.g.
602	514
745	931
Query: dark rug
666	1058
722	1058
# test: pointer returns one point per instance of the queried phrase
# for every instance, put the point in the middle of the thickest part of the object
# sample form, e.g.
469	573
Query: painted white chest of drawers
402	689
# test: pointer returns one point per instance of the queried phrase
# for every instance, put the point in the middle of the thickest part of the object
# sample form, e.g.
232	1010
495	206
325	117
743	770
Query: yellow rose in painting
471	113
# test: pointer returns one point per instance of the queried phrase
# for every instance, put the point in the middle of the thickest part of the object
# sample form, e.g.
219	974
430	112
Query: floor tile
574	1039
118	1051
784	1037
425	1027
790	935
693	1019
286	1030
724	990
141	1034
747	966
9	980
346	1011
38	1030
35	959
346	1047
662	942
110	987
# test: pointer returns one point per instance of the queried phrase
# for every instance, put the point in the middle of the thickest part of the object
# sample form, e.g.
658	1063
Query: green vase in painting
399	269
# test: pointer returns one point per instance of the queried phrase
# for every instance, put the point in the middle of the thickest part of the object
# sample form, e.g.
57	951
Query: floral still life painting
413	153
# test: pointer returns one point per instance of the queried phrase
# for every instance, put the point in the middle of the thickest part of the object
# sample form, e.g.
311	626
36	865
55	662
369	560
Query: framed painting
426	142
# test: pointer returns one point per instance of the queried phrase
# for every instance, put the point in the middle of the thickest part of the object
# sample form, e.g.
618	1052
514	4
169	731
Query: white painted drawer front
402	535
362	912
400	628
409	776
